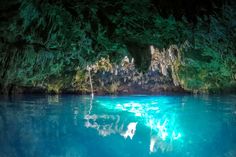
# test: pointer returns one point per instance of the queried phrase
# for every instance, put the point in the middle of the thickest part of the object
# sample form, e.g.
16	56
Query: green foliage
169	32
48	41
210	62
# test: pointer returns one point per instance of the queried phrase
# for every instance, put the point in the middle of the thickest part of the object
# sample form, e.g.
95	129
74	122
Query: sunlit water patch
118	126
152	113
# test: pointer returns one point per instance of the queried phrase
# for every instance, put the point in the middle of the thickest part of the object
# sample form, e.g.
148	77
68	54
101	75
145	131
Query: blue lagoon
118	126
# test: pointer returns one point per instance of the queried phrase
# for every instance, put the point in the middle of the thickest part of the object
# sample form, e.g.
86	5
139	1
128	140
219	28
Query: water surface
122	126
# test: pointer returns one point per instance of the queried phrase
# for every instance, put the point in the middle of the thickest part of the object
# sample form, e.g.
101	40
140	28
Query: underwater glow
131	130
162	130
81	126
151	113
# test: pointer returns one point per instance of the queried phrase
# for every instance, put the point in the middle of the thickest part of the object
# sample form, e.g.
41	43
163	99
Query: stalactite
90	81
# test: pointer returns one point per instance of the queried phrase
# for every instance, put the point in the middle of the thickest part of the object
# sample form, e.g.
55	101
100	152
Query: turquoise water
122	126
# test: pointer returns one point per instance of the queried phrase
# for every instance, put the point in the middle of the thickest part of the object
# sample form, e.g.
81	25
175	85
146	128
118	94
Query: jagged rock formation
124	78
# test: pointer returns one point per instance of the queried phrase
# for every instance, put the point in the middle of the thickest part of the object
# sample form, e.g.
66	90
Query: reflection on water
147	112
53	99
130	130
74	126
106	127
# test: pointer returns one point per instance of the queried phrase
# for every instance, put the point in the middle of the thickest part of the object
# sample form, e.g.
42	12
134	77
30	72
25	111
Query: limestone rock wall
124	78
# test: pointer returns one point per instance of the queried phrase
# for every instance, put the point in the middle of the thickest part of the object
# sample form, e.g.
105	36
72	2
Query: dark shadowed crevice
141	54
